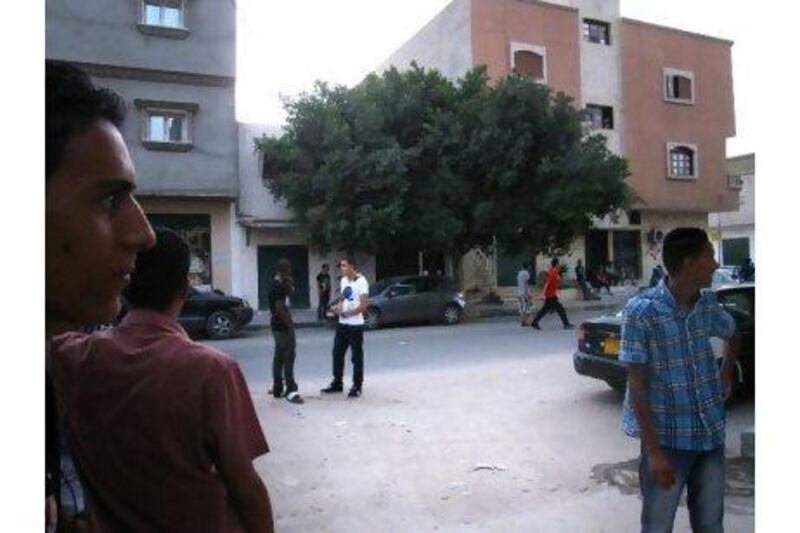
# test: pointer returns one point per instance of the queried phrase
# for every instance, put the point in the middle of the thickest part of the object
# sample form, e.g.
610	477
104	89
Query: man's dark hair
284	266
525	266
349	259
72	104
554	262
160	273
681	243
324	265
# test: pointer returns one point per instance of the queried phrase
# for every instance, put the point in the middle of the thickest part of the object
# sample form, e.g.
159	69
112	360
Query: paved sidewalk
307	318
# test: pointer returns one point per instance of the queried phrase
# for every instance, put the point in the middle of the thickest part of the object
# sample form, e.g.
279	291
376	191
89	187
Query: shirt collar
666	296
147	317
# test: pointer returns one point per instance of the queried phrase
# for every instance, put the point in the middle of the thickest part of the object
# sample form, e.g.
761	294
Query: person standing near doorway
580	277
551	302
350	329
524	295
282	325
324	291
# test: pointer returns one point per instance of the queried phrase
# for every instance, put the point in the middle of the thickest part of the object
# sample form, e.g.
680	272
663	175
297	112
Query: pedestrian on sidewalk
283	333
551	302
675	403
324	291
601	279
93	229
350	328
163	428
580	277
524	295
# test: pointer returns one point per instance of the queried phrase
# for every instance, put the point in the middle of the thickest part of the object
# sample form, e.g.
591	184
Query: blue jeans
703	474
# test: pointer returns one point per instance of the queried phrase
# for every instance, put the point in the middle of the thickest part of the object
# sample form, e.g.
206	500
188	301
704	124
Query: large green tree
412	160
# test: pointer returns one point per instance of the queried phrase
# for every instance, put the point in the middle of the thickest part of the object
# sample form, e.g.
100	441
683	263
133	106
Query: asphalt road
478	427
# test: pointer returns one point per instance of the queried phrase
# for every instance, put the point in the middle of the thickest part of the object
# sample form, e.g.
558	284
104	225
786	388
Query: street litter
341	423
493	468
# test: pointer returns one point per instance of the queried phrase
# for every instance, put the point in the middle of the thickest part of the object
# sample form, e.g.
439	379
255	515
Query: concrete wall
106	32
221	232
601	66
255	200
247	258
498	25
651	122
210	168
444	43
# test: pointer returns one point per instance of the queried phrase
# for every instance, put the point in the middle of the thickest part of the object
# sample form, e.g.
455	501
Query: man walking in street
675	402
324	291
524	295
93	228
551	302
282	325
163	428
350	329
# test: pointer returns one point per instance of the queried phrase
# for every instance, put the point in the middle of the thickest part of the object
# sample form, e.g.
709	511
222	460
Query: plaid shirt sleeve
722	323
635	336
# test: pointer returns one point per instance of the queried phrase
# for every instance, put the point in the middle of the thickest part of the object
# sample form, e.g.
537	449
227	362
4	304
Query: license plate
611	347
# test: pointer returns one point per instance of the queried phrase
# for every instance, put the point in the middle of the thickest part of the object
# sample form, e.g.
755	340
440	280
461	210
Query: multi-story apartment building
663	98
734	233
173	62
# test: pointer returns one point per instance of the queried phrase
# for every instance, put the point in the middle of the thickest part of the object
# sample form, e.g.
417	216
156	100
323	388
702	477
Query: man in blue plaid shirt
675	401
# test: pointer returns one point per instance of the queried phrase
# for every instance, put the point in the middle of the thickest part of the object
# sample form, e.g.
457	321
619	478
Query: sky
283	47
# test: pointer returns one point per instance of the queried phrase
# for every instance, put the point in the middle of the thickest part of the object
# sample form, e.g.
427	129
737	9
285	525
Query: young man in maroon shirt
163	429
551	302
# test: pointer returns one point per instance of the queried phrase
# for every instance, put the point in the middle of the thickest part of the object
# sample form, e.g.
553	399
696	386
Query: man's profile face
702	266
94	227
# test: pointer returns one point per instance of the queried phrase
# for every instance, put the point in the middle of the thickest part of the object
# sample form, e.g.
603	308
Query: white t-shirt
351	291
523	277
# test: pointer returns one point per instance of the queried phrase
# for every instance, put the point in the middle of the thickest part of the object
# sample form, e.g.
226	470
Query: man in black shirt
324	291
282	325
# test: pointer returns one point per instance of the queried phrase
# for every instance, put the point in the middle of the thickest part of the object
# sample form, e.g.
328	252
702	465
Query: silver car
414	299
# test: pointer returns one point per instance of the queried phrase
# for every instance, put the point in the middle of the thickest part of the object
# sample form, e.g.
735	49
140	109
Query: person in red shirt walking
551	302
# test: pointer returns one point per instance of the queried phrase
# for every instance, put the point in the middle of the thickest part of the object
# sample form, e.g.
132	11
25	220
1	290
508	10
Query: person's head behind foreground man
94	227
161	277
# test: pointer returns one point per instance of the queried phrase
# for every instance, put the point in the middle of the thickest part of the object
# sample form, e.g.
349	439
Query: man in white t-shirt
524	295
350	329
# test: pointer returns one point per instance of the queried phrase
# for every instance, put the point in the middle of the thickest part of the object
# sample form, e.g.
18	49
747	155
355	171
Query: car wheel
452	314
220	325
372	318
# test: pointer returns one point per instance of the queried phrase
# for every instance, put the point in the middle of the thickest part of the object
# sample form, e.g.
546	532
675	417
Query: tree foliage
413	160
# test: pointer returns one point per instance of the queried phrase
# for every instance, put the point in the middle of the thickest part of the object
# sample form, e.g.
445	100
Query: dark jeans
550	305
584	288
703	474
352	336
283	360
324	298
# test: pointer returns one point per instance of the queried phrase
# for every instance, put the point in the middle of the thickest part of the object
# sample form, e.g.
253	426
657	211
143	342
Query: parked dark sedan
414	299
599	338
209	313
214	314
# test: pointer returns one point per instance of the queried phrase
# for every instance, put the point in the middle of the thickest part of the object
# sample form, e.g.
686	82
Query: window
167	125
735	251
529	60
163	126
599	117
596	31
681	161
635	218
167	13
679	86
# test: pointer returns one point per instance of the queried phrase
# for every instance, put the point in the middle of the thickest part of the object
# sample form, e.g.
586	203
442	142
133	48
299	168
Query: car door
399	301
427	303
